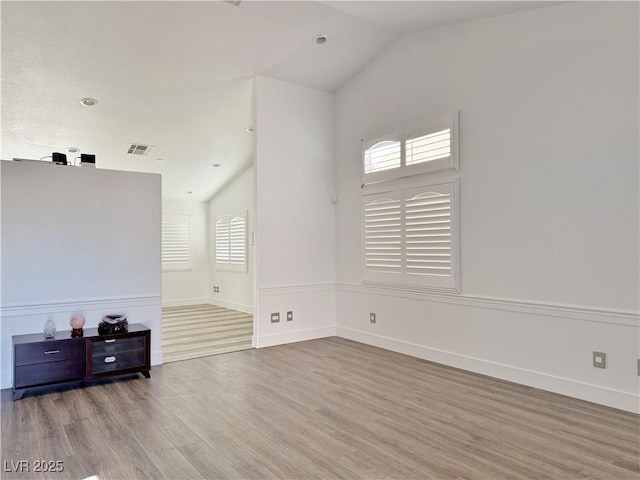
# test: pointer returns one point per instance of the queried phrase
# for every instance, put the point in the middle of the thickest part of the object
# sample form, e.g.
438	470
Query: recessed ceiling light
320	39
216	165
88	102
72	149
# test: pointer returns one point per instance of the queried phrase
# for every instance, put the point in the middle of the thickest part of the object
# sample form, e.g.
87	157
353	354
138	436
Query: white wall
77	241
549	196
236	288
189	287
295	179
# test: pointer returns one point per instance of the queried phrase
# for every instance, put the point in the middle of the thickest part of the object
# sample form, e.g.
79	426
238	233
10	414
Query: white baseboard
232	305
184	302
291	337
564	386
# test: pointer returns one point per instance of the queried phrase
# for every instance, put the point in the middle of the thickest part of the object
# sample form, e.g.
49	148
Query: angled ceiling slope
178	75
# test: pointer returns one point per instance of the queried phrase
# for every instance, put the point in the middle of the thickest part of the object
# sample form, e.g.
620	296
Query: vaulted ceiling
177	75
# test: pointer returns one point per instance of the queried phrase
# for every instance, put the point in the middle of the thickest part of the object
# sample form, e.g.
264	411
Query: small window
231	242
176	242
427	149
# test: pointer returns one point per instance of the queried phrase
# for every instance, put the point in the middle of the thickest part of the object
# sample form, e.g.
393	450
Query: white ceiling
178	75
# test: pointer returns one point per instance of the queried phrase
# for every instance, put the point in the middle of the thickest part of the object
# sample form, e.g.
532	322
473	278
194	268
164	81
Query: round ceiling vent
88	102
320	39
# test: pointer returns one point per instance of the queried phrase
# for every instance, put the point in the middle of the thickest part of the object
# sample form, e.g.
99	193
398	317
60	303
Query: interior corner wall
189	287
295	183
549	203
77	241
235	288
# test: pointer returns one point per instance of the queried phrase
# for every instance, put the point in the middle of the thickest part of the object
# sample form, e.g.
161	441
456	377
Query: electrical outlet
372	318
290	316
275	317
599	360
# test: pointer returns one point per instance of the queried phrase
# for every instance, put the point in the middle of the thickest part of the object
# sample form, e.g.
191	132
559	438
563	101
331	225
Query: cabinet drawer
117	345
38	374
49	351
114	361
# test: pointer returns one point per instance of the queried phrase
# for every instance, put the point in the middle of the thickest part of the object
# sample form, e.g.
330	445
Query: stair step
191	332
205	322
176	357
207	337
196	331
210	344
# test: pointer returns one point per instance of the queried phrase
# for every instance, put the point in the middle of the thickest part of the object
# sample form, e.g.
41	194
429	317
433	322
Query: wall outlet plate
599	359
275	317
289	316
372	318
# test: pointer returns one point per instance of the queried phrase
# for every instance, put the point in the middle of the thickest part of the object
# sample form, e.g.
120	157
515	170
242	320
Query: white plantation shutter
382	156
231	242
222	240
238	240
383	237
429	236
176	242
433	147
427	148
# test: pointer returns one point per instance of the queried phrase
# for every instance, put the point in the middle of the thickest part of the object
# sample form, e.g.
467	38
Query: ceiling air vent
138	149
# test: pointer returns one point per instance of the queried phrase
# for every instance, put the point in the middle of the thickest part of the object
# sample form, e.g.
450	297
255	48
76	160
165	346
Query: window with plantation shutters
231	242
430	148
409	237
176	242
410	208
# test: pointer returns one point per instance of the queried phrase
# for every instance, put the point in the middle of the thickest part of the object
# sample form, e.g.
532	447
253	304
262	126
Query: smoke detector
139	149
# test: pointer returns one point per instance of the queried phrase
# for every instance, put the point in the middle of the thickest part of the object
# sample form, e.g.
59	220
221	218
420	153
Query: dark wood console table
38	361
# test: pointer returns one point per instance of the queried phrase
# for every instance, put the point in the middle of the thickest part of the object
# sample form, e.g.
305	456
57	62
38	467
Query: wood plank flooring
202	330
322	409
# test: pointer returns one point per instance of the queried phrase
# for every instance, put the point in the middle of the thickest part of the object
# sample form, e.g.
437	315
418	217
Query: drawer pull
110	341
51	352
110	359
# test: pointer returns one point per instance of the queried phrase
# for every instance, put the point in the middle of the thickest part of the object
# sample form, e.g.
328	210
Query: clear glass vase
49	329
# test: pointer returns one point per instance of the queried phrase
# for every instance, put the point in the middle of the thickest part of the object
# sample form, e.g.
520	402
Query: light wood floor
321	409
202	330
